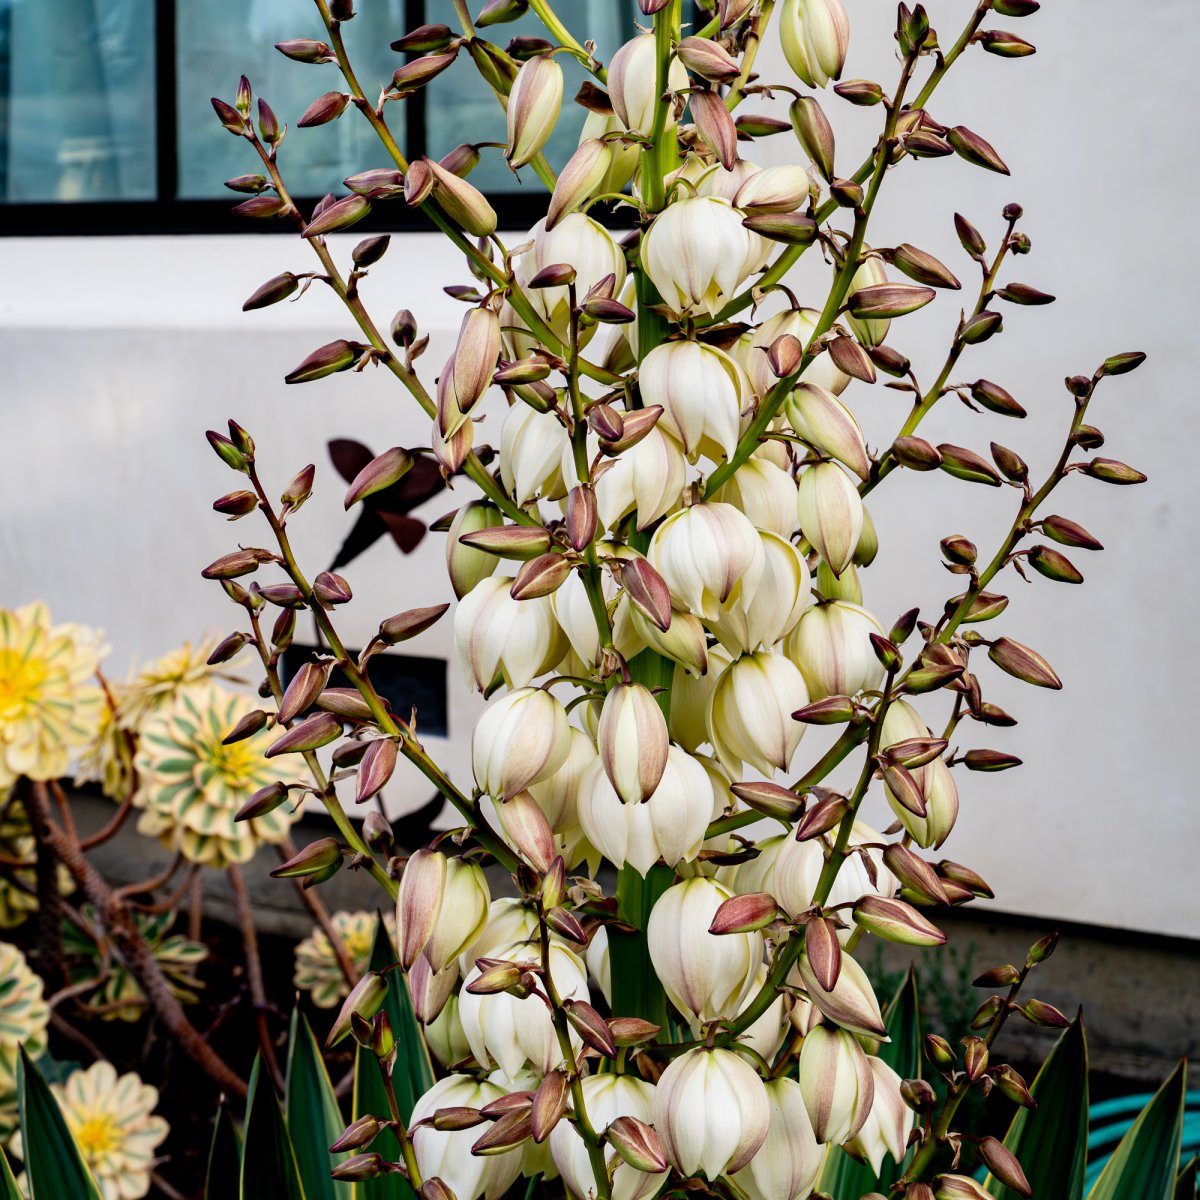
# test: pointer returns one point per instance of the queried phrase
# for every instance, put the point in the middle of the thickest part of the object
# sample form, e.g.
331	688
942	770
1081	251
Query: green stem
566	39
788	259
924	403
754	40
407	742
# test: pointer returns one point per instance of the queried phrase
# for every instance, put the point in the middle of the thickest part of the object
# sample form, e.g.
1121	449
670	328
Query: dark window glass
77	112
104	106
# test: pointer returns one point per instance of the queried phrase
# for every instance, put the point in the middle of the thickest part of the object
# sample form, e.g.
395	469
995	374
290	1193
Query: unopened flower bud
815	36
632	740
823	421
533	107
850	1003
837	1083
464	204
830	512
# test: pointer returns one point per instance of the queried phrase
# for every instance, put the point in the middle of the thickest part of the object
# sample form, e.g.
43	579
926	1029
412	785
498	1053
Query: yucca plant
662	572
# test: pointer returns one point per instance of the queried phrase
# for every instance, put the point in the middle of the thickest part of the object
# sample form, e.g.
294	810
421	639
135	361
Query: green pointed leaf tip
1144	1164
1050	1141
54	1167
314	1120
412	1077
224	1159
269	1166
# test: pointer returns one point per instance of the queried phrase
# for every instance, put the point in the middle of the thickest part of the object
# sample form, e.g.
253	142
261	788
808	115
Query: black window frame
168	214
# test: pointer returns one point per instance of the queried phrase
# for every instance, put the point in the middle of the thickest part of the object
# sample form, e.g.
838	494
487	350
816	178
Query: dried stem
254	975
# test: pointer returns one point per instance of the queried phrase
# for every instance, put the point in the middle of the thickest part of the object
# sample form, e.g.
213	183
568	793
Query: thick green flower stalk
663	584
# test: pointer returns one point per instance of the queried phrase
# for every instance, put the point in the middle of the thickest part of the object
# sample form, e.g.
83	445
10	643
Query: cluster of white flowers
624	555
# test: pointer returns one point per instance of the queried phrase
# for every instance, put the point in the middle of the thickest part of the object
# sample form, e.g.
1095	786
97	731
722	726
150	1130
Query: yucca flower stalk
670	556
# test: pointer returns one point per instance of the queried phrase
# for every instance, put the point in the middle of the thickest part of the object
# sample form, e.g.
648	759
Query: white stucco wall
116	354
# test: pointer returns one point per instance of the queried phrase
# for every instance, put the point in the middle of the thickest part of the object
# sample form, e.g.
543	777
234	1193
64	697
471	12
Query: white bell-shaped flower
837	1084
670	825
830	512
706	975
632	76
790	1161
447	1155
606	1097
702	392
765	492
711	1111
691	696
831	644
704	553
496	636
585	245
698	254
815	35
509	921
645	479
801	323
888	1124
511	1032
531	451
762	616
520	738
573	611
750	714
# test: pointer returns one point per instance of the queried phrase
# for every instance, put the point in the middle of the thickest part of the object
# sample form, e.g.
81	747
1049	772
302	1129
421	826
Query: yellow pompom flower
49	707
111	1118
156	685
24	1016
191	786
317	969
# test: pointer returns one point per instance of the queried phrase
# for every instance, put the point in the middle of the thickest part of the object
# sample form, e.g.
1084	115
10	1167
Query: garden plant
630	965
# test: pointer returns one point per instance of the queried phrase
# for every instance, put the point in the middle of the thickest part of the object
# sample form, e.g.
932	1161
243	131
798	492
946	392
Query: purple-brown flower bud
324	109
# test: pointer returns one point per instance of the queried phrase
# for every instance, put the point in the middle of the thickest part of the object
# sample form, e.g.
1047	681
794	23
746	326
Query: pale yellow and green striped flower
111	1117
117	995
156	685
49	706
317	970
190	786
17	883
24	1016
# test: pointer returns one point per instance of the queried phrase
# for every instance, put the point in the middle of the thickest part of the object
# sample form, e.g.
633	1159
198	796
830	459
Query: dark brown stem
115	916
254	974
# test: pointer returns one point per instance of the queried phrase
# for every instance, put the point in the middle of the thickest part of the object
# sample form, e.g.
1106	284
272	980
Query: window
105	123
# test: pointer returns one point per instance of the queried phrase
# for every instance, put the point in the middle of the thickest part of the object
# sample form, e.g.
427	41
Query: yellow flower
111	1118
157	684
191	786
317	969
108	757
48	706
24	1016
